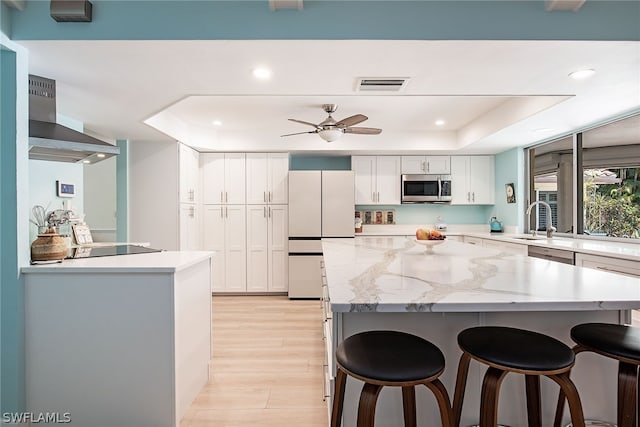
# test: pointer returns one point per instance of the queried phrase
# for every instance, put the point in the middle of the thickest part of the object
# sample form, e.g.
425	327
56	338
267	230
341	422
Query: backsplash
428	213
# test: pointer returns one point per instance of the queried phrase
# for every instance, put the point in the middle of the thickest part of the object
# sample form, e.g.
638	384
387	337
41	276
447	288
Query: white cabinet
426	164
223	178
267	178
472	180
189	230
267	248
224	231
377	179
188	174
612	265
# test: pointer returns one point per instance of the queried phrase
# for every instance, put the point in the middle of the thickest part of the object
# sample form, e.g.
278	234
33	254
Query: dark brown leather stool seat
389	358
618	342
506	350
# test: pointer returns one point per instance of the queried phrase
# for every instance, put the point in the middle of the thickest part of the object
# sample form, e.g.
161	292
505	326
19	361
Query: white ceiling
494	95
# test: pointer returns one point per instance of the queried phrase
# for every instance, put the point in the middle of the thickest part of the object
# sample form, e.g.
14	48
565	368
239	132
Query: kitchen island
393	283
118	340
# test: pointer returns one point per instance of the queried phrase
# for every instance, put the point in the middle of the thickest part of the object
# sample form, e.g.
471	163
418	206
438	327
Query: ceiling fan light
330	135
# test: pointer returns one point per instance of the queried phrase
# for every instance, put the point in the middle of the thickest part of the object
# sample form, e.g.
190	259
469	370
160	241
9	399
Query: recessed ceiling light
582	74
440	122
100	155
216	123
86	161
261	73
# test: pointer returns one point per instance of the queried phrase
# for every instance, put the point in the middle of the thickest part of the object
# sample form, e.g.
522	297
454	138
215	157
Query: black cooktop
90	252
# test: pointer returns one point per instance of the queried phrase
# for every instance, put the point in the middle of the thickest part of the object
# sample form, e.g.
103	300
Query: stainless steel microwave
426	188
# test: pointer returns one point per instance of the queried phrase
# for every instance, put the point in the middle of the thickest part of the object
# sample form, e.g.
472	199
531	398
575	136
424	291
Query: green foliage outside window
613	209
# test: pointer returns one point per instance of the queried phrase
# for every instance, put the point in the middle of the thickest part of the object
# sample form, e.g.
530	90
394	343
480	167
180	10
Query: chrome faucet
550	227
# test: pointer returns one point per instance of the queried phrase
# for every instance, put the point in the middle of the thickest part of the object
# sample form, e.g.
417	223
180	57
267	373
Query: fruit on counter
424	234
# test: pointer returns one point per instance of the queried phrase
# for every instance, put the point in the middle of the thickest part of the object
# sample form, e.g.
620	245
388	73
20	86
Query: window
608	199
551	167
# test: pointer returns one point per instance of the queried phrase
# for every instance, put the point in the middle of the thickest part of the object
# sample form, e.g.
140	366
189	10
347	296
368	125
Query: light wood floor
267	365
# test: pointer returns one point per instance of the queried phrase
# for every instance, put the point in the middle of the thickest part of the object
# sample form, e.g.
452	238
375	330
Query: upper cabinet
189	175
267	178
419	165
223	178
472	180
377	180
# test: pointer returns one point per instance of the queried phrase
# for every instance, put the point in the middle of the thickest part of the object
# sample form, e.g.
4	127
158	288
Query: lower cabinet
612	265
224	231
267	248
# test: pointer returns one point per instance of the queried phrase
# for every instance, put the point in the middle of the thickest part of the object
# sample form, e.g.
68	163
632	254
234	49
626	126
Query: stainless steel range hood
51	141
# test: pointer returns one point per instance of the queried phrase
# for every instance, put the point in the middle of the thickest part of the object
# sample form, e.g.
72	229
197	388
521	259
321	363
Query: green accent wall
122	192
298	162
11	291
510	169
330	19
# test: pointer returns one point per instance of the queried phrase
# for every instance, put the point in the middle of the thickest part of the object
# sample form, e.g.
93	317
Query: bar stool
618	342
389	358
507	350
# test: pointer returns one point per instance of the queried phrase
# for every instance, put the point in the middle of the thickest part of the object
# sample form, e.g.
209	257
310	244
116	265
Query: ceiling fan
331	130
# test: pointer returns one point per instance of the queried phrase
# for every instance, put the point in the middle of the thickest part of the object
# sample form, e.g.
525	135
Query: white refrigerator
321	204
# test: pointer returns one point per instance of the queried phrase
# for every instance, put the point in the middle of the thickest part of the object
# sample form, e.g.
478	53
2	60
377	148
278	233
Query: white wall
153	193
42	187
100	199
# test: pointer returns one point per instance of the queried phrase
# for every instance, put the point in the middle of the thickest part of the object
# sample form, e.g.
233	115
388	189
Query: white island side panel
94	347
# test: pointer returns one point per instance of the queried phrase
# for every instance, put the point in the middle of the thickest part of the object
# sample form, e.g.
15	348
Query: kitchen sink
529	237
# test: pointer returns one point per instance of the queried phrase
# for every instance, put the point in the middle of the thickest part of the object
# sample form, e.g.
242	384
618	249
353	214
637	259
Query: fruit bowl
429	244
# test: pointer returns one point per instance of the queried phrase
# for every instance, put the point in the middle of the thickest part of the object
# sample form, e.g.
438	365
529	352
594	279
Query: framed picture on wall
510	189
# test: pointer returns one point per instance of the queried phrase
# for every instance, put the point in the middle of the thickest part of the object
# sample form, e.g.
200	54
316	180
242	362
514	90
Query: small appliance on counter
440	225
496	226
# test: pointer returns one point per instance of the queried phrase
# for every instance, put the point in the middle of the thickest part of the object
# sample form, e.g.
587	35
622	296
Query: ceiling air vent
381	84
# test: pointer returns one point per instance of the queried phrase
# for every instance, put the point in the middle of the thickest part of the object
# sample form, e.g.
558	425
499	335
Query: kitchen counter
387	282
158	262
395	274
615	249
118	340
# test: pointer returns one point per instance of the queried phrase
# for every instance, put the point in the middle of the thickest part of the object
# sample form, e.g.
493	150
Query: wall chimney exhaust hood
51	141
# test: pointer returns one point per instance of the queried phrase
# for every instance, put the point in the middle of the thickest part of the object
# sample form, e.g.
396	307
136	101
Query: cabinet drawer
473	240
612	265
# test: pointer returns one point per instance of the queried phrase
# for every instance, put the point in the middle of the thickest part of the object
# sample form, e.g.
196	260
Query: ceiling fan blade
363	131
350	121
299	133
303	122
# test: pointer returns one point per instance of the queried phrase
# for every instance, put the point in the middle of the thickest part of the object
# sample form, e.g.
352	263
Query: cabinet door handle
192	211
468	196
221	199
270	196
269	211
226	197
264	211
378	197
473	196
373	196
226	212
424	169
427	166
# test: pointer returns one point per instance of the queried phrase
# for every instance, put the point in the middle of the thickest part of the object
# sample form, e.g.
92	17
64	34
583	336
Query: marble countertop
156	262
395	274
615	249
